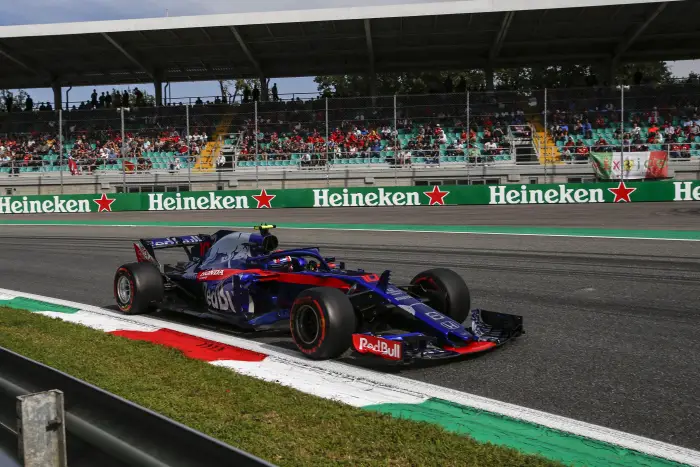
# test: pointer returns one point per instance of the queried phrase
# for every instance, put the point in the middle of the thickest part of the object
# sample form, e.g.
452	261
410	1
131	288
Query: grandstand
499	133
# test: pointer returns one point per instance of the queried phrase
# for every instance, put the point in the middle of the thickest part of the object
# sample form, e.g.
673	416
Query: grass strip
276	423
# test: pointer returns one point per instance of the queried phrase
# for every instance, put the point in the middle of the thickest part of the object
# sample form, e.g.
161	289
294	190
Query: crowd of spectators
642	131
428	127
86	154
357	138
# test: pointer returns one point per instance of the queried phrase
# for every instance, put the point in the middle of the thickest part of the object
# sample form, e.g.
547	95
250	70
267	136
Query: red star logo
622	193
264	199
436	196
104	203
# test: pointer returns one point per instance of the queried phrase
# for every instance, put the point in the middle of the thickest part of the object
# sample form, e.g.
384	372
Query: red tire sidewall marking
322	323
125	272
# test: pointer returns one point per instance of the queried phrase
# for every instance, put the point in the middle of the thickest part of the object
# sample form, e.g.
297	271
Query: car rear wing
146	247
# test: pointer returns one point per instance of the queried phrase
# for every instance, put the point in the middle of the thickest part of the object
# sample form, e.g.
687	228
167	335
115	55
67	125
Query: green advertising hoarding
357	197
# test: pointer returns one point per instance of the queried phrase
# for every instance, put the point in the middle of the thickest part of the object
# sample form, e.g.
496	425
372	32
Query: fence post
189	151
396	124
41	429
257	162
622	127
327	135
544	136
60	146
123	149
469	132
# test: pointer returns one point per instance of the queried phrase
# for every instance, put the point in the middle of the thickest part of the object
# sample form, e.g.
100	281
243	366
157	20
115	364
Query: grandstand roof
443	35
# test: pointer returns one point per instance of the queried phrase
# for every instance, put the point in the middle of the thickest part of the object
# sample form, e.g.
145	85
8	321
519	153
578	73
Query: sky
60	11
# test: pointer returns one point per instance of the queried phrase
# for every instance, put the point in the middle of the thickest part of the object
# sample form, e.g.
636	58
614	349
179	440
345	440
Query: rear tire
322	321
446	292
137	286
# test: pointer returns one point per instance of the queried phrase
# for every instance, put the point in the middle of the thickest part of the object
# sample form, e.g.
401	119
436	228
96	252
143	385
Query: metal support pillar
264	91
488	75
57	96
158	84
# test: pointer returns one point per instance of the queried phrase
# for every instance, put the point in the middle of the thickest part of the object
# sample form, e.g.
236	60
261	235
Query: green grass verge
276	423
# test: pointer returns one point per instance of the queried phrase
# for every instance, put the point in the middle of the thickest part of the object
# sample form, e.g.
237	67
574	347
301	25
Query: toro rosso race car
245	280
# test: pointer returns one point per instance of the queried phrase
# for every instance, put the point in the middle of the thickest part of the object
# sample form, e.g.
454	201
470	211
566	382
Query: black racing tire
137	287
322	321
446	292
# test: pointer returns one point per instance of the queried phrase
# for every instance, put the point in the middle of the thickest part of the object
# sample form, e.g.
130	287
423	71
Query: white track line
408	388
609	237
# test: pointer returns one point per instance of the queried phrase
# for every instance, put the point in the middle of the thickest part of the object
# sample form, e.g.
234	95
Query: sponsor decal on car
385	348
215	274
220	299
163	242
398	294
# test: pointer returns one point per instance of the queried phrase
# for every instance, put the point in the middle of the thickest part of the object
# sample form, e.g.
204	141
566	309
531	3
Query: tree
650	73
149	100
398	83
238	86
18	99
512	79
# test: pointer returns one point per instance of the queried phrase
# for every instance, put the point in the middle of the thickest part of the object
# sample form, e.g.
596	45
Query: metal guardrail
101	428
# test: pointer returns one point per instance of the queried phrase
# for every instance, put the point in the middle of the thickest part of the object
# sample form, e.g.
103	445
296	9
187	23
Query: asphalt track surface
612	324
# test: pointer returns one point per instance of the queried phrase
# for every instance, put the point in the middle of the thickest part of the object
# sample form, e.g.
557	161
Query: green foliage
18	99
235	88
521	80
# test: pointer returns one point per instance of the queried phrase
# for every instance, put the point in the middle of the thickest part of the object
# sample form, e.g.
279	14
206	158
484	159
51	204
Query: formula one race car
243	279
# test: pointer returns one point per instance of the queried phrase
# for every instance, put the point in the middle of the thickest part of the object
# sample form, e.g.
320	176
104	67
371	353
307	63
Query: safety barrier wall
100	428
357	197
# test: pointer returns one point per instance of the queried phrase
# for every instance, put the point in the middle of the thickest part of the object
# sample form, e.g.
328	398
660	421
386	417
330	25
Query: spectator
275	95
138	95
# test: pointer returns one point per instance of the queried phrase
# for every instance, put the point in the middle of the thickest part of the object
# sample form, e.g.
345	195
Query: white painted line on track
405	388
247	227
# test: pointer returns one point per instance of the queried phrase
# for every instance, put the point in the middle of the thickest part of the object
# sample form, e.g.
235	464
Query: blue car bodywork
243	279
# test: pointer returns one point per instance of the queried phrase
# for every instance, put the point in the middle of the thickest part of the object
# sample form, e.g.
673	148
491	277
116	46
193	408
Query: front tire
446	292
322	321
137	286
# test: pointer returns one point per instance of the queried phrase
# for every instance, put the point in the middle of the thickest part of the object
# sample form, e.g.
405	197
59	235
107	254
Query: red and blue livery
244	279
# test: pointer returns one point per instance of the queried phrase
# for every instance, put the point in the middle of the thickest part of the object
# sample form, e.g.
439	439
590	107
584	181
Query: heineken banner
647	165
435	196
